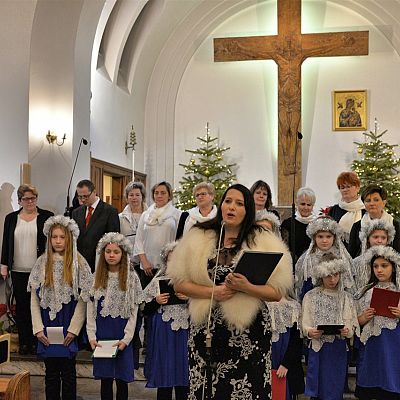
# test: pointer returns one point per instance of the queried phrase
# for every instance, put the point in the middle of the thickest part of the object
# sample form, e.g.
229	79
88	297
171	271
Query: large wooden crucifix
289	49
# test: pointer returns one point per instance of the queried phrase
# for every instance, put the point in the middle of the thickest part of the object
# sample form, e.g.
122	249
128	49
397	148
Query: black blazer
104	219
355	243
7	251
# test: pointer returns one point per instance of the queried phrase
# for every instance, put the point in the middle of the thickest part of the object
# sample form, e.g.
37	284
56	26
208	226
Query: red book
278	386
382	299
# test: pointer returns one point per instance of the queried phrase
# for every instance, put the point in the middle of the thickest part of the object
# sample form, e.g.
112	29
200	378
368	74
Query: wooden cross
289	49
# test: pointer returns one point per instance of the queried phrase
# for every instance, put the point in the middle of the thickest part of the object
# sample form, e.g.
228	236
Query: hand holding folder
257	266
165	287
106	349
382	299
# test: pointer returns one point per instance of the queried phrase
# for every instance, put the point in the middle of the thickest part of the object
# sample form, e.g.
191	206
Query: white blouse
25	245
155	230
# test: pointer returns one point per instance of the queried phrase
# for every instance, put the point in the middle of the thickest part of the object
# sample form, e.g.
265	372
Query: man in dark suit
94	218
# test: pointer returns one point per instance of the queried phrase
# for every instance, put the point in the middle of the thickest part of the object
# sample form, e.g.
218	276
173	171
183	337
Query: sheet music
55	334
107	349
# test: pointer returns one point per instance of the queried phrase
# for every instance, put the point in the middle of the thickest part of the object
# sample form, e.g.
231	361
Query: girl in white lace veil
326	239
112	312
269	221
166	365
377	232
378	373
59	283
328	304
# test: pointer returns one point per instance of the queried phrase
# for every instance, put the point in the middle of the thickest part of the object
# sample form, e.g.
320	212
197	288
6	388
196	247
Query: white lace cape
361	271
284	314
376	324
116	302
330	307
53	298
305	266
178	314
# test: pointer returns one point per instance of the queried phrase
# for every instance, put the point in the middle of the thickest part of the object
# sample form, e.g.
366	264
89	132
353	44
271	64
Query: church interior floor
87	387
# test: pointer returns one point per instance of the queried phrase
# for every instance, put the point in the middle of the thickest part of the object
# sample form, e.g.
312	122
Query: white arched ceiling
180	47
155	56
384	14
117	30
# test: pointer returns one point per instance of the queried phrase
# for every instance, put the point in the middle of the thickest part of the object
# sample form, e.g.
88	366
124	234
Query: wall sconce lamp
51	138
132	141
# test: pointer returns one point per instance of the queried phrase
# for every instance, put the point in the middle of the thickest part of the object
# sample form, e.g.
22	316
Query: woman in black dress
305	200
239	319
23	242
374	198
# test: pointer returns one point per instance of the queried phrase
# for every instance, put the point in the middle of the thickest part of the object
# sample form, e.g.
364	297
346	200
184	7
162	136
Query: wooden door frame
99	168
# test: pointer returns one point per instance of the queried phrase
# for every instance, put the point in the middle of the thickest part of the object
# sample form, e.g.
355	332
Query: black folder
257	266
330	329
165	287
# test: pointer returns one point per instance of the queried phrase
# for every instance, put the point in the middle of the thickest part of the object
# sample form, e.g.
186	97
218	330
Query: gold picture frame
349	110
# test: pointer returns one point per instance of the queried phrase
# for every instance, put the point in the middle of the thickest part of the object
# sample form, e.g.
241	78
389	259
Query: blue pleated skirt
63	318
326	371
379	361
120	367
167	362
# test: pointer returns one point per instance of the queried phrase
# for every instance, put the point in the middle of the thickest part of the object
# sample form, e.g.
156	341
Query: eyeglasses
84	196
201	194
29	199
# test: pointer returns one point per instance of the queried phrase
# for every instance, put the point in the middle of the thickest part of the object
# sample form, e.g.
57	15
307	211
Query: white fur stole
189	263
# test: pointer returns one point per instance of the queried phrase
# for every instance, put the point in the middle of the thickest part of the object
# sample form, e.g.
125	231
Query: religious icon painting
349	110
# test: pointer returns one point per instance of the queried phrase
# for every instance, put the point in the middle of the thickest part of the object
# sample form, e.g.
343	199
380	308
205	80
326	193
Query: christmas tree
379	165
206	165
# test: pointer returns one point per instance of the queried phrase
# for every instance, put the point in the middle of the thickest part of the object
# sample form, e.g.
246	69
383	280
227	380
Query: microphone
208	357
299	136
85	142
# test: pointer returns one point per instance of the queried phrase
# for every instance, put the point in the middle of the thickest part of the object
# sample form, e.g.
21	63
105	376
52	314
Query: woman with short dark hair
374	198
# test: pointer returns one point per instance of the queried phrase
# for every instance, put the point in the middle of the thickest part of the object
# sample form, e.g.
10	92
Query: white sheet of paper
55	334
107	350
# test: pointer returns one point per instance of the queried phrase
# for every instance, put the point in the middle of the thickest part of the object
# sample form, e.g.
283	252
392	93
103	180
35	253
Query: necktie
89	215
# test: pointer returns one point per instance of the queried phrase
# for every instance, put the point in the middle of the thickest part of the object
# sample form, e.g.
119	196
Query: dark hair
86	183
248	227
163	183
371	189
373	279
263	185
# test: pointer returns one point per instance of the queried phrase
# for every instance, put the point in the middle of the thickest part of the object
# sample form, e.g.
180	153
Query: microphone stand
85	142
299	136
208	355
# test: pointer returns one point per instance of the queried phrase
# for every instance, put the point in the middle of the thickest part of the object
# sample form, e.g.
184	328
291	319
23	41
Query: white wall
62	40
15	28
239	99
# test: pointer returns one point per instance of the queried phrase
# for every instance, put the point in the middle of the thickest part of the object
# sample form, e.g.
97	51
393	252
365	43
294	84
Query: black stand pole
85	142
